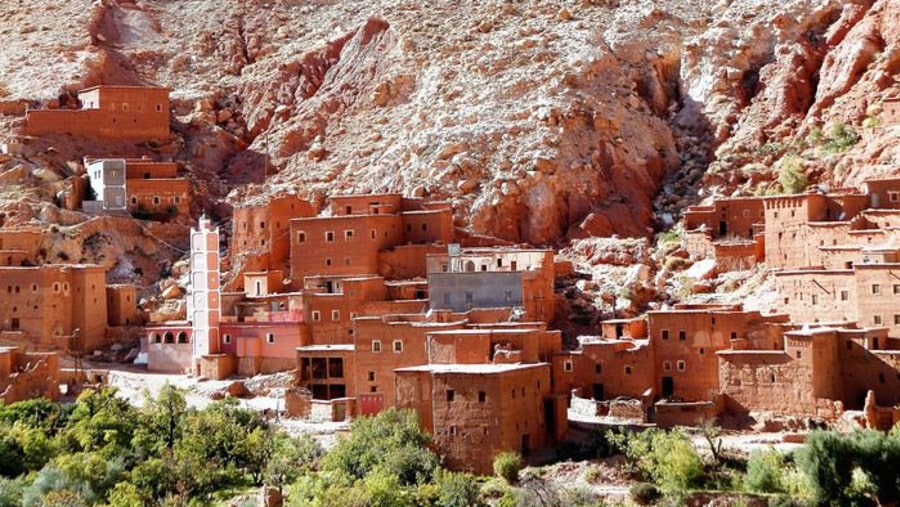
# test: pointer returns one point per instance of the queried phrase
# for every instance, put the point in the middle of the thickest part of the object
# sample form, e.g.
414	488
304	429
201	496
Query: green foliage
11	491
791	176
667	458
765	471
290	457
507	466
840	138
849	470
644	493
390	441
456	490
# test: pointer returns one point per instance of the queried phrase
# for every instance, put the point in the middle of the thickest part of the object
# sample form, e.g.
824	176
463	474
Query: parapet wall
93	122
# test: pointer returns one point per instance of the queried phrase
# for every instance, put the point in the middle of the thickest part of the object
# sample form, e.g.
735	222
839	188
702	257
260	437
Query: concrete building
142	187
462	279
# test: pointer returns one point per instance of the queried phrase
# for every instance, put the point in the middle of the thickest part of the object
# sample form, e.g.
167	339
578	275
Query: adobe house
462	279
139	186
890	111
260	238
368	235
46	304
25	375
111	112
19	245
820	371
121	306
476	411
867	293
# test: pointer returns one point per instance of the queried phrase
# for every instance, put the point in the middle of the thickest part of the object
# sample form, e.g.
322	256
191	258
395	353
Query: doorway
598	392
668	387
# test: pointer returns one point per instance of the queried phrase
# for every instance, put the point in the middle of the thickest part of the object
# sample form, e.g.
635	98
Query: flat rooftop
328	348
471	369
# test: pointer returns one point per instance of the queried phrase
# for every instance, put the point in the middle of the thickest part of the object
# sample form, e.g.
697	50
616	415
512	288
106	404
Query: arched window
470	266
169	337
182	337
155	338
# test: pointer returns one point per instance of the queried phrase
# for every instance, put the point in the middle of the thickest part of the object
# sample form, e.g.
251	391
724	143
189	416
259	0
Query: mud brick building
819	371
668	357
260	239
42	305
142	187
20	246
111	112
729	230
383	234
25	375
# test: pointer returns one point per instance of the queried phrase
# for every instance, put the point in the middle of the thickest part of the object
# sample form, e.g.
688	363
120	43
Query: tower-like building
203	303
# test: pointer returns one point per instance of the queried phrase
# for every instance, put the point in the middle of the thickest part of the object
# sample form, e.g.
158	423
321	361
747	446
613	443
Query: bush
456	490
765	472
390	441
791	176
644	493
840	138
507	466
668	459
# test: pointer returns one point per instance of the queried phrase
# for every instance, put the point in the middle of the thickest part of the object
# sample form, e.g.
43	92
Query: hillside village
379	301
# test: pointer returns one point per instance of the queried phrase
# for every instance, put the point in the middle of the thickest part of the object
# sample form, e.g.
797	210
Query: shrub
644	493
840	138
791	176
456	490
507	466
669	459
765	472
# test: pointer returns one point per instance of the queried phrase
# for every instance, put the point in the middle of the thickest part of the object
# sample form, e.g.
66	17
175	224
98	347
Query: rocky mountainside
542	122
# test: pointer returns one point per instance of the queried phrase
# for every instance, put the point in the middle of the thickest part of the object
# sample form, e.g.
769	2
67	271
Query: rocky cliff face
539	121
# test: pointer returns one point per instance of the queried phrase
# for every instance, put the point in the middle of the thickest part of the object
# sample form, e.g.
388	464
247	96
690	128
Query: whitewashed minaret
203	306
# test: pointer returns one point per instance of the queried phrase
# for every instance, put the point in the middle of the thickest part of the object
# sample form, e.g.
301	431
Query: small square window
316	315
376	345
667	365
876	319
682	334
567	365
482	396
270	338
845	295
348	235
329	236
335	315
893	196
628	370
799	354
598	369
876	289
451	395
301	237
896	320
371	376
398	346
226	339
328	261
665	334
680	365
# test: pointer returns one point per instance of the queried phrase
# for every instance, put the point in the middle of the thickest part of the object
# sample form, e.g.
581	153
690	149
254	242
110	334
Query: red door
371	403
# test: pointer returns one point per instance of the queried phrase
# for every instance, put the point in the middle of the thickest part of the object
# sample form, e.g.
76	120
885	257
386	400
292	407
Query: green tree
390	441
765	470
826	459
162	420
290	458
